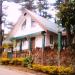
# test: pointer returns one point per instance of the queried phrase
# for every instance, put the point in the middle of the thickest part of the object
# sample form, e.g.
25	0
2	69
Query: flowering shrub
5	61
4	55
16	61
52	69
68	70
28	63
48	69
37	67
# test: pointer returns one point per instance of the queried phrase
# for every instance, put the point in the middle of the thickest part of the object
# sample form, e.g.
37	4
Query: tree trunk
0	27
69	36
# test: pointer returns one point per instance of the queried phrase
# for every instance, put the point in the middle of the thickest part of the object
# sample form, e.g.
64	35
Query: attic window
32	23
25	14
24	24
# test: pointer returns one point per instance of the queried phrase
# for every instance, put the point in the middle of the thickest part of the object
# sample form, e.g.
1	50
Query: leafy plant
27	61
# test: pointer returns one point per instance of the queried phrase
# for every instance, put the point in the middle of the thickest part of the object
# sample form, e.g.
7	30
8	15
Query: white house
33	31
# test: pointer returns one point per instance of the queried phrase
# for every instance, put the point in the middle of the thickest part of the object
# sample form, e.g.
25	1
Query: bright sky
14	13
51	1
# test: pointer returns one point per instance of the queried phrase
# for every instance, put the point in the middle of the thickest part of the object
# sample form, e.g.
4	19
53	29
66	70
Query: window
25	14
32	23
24	41
51	39
24	24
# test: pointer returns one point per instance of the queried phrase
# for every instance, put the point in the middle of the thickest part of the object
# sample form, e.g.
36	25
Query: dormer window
24	24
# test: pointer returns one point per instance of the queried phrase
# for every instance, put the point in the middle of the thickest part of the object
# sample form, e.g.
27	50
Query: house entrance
33	42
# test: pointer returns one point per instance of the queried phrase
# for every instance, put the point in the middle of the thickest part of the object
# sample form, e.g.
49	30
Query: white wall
25	45
28	28
38	41
47	40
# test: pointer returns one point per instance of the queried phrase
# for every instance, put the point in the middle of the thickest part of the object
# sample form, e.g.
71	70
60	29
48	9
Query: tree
29	4
1	31
16	1
6	23
67	18
42	6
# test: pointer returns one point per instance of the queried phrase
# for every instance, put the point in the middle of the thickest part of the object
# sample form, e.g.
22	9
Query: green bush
27	61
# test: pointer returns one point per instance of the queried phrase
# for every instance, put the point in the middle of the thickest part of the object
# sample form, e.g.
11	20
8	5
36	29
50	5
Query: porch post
43	46
43	39
14	45
30	44
59	46
59	40
21	45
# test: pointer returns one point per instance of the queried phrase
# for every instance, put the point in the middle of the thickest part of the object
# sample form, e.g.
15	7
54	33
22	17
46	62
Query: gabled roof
45	23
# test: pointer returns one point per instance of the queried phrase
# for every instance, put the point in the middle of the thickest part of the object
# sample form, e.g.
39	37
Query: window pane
51	39
24	24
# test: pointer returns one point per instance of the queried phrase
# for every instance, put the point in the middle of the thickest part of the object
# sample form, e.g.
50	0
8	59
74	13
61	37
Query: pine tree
29	4
42	6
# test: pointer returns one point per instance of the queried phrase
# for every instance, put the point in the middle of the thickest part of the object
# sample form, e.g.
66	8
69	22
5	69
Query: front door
33	42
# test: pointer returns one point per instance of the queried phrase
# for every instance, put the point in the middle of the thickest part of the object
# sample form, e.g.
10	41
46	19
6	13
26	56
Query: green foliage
66	15
42	6
27	61
29	4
